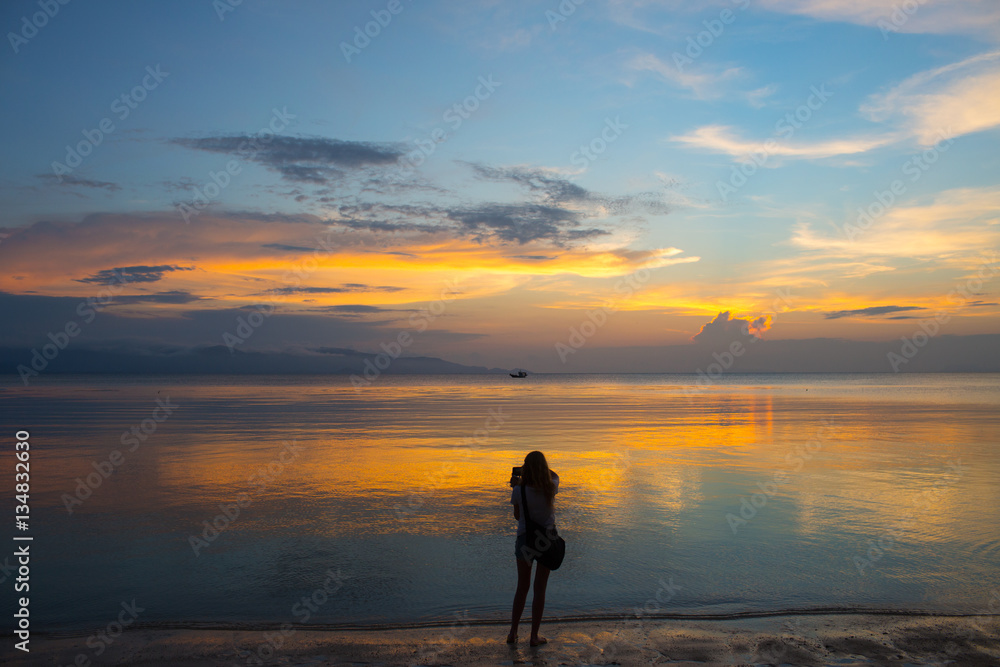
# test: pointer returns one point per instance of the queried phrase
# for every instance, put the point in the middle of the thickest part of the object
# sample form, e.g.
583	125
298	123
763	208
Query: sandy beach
829	639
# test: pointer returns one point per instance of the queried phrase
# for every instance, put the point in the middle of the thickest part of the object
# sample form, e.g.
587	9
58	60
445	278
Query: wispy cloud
723	139
957	223
949	101
956	99
980	18
871	311
70	180
701	82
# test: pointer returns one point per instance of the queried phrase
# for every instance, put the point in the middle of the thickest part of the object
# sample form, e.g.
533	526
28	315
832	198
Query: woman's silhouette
540	485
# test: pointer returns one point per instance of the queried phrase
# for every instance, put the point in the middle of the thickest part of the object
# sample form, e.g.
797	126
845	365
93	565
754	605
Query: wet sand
829	639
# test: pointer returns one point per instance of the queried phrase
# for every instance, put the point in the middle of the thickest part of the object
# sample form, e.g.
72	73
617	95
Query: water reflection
404	485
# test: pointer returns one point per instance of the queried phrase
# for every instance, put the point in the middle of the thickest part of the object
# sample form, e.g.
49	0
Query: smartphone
515	471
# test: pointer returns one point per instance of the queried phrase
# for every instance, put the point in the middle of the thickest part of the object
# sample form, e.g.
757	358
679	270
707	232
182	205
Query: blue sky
505	201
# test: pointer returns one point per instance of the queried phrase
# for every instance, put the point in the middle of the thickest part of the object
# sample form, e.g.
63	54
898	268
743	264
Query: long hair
535	473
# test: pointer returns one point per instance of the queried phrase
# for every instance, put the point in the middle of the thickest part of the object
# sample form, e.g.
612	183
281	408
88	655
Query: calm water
402	489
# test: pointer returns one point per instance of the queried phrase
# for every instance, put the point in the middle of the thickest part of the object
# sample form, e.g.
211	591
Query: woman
540	485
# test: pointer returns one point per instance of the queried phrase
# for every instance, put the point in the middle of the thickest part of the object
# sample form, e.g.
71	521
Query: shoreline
264	626
789	638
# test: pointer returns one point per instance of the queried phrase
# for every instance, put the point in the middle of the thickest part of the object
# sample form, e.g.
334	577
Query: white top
536	504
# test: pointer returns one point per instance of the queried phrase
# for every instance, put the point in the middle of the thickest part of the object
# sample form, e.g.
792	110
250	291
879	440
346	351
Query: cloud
554	189
756	98
870	311
722	139
172	297
949	101
362	309
703	84
316	160
945	102
956	223
980	18
69	180
522	223
286	247
343	289
724	330
132	274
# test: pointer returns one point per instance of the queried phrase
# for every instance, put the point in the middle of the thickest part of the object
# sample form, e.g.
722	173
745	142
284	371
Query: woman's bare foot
511	639
538	641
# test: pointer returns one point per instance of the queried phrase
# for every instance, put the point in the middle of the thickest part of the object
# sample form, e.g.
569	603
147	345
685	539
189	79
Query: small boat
519	374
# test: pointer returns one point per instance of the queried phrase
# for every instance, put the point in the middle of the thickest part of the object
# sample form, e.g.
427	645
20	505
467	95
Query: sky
561	186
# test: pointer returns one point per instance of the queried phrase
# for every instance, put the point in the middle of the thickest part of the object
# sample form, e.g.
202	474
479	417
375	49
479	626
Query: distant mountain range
218	359
922	354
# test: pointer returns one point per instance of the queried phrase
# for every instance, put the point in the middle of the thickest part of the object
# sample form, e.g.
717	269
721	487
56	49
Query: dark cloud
69	180
316	160
724	330
132	274
507	223
522	223
289	248
343	289
555	190
357	308
871	311
539	258
174	297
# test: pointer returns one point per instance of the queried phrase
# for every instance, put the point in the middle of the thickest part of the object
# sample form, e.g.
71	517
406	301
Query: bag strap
529	525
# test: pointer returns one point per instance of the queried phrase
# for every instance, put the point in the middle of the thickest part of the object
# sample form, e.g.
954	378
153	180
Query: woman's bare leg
538	603
520	596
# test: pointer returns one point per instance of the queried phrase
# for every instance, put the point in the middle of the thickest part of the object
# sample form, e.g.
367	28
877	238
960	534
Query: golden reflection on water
646	469
430	458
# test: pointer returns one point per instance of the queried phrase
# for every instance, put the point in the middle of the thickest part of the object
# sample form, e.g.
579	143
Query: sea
241	500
